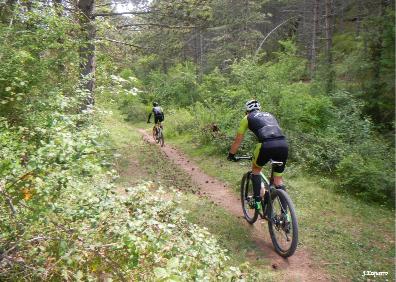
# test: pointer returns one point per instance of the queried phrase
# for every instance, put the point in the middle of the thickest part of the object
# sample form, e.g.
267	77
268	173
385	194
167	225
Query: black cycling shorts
158	119
276	150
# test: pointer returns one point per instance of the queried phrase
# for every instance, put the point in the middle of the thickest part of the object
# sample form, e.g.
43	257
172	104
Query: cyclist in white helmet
158	116
272	145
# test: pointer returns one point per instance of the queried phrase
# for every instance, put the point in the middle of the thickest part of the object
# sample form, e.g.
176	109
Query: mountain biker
272	146
158	115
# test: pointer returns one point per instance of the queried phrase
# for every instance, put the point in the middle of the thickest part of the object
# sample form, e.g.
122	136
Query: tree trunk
341	16
6	11
200	74
87	51
315	28
59	11
329	12
359	17
375	51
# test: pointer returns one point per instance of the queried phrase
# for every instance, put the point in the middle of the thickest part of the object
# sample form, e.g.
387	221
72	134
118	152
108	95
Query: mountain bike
277	209
158	134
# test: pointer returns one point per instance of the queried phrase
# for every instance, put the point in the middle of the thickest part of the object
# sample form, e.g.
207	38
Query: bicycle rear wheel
283	226
157	135
161	138
247	199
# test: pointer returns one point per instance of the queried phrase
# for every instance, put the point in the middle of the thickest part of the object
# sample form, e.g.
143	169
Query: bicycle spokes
247	199
283	224
250	201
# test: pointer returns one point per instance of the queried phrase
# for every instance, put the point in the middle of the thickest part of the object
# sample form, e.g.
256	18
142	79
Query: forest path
299	267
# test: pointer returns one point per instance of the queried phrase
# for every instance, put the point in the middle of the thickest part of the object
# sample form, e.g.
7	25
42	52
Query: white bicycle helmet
252	105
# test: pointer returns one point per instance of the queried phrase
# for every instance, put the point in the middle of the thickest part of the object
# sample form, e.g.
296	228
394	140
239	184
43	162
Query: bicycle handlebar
249	158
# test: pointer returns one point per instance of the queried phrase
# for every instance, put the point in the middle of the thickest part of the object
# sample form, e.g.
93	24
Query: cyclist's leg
259	160
160	120
278	151
256	170
156	121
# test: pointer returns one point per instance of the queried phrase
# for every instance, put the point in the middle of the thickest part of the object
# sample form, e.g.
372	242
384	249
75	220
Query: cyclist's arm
149	117
237	142
243	126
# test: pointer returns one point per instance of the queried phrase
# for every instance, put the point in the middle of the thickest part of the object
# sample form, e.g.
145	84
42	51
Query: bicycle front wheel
247	199
282	225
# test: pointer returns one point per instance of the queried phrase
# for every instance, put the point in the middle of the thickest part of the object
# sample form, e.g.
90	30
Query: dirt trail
299	267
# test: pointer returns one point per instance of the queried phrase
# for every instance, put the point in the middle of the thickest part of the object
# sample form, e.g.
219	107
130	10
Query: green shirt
243	126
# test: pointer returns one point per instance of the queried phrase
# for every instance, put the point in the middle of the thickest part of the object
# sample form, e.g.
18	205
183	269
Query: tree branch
102	5
8	198
158	25
120	42
265	38
120	14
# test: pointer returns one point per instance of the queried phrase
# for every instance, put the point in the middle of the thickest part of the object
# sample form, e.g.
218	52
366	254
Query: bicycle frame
268	182
156	128
265	179
267	187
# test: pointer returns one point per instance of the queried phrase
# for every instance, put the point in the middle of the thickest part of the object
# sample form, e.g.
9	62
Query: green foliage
60	218
126	92
42	50
179	122
139	233
325	132
178	86
302	112
368	171
365	65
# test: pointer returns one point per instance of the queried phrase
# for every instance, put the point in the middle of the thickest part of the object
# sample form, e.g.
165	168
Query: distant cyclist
272	145
158	115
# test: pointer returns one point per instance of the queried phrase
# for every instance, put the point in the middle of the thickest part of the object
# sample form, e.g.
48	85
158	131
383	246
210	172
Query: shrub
302	112
133	109
317	153
179	121
368	172
90	233
178	86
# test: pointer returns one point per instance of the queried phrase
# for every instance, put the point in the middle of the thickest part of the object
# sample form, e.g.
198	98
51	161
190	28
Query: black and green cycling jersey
158	114
264	125
272	143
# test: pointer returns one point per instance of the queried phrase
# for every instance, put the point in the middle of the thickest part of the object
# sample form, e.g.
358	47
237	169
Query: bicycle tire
244	194
161	138
157	135
154	136
281	194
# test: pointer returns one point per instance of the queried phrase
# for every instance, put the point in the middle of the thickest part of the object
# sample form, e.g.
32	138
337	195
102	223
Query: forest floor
209	188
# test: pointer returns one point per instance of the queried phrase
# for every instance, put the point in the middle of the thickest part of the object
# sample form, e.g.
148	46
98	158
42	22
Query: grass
139	161
346	236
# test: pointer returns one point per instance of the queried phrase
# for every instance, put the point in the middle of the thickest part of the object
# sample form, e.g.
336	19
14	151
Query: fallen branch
5	253
8	198
21	177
